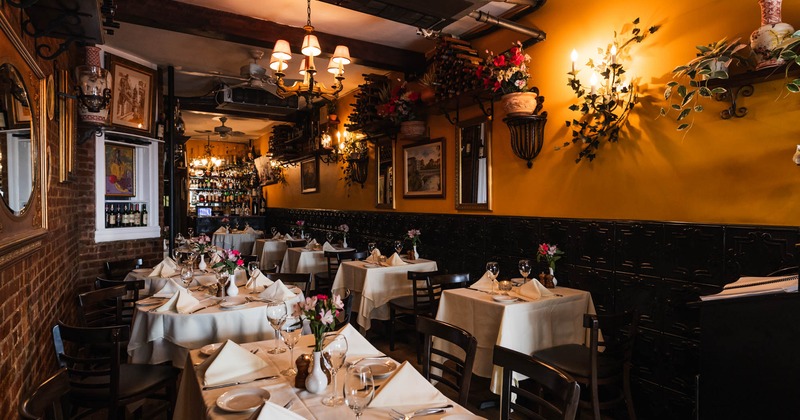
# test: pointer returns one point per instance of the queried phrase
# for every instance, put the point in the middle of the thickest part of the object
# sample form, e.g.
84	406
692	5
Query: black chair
416	304
609	368
129	301
558	392
453	371
102	307
301	280
102	381
323	281
248	258
272	270
48	400
441	282
117	270
347	301
296	243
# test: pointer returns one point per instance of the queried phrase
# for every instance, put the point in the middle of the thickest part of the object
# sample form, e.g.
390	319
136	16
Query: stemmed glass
525	270
494	270
294	232
187	275
191	232
290	338
329	237
176	256
371	247
252	266
276	315
334	351
359	388
273	230
398	246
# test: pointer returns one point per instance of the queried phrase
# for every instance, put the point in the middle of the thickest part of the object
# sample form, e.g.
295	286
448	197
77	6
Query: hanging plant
354	152
787	50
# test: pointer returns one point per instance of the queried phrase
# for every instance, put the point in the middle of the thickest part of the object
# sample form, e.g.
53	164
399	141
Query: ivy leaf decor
605	107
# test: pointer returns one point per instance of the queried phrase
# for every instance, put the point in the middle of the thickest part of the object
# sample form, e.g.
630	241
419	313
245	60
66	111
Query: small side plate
504	298
232	302
242	399
209	349
380	368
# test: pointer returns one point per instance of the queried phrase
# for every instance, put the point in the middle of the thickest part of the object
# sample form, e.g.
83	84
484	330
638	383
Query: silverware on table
263	378
206	307
421	412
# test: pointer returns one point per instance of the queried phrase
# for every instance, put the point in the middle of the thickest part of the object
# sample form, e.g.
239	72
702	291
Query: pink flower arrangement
344	228
201	243
229	260
550	253
506	72
300	223
321	312
413	234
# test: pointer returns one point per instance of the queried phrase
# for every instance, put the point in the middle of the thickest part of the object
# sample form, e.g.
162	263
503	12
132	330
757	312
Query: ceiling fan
222	130
252	74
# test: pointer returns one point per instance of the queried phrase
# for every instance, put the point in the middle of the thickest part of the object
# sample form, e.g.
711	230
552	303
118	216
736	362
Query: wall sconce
93	90
527	135
328	151
354	154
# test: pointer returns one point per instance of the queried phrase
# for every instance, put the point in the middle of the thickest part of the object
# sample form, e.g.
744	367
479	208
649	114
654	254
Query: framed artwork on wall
120	171
20	112
309	176
424	169
133	95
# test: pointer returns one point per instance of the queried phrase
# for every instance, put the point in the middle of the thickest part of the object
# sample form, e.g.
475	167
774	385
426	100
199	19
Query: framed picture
133	93
424	164
3	120
120	170
20	112
309	176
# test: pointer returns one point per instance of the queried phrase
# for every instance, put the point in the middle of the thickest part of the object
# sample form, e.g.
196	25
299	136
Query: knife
206	388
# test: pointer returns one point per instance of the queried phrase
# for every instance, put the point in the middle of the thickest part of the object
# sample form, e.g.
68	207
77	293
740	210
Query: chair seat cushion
575	359
134	379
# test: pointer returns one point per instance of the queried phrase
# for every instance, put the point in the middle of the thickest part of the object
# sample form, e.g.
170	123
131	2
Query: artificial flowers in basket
402	105
507	73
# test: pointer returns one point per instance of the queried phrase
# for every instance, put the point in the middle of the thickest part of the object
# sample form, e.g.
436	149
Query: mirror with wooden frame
474	164
385	170
23	211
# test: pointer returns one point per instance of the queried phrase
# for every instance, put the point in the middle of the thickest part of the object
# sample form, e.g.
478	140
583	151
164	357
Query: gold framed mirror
23	211
384	170
474	164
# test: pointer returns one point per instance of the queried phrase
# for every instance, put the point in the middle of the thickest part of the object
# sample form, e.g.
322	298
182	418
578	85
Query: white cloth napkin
288	237
240	276
204	279
277	236
395	260
221	230
375	257
249	230
534	290
407	387
258	282
357	344
272	411
484	283
311	244
328	247
181	302
169	289
228	363
277	291
166	268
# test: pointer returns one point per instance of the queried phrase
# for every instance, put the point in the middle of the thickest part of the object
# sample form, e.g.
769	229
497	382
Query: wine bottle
111	218
137	216
144	214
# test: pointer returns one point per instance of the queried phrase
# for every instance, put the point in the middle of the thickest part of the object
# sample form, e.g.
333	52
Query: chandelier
309	88
206	162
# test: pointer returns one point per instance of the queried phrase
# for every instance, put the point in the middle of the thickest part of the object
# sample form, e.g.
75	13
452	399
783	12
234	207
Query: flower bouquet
321	312
506	72
344	229
228	260
549	253
200	245
301	224
402	106
413	235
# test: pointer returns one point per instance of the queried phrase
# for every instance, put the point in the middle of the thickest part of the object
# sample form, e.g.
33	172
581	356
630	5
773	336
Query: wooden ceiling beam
174	16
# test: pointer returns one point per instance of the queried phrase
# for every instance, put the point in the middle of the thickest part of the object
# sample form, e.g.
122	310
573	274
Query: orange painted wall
723	171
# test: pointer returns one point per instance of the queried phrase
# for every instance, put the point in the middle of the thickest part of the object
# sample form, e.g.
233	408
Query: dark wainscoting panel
652	267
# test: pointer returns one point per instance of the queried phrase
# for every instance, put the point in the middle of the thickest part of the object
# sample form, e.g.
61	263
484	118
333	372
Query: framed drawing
120	171
20	112
424	164
309	176
133	95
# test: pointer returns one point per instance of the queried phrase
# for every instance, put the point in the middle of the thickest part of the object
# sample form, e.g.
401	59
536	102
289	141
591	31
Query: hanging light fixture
206	162
309	88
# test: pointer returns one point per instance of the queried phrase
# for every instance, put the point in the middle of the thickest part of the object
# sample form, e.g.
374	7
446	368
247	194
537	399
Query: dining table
373	285
524	324
270	252
153	284
241	241
195	402
306	260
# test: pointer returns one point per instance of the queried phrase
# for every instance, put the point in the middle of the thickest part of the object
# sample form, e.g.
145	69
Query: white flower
326	317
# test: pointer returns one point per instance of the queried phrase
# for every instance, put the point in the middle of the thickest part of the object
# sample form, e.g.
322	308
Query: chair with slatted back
301	280
117	270
272	270
555	395
448	368
441	282
48	400
129	301
323	281
347	305
418	303
603	367
296	243
101	380
248	258
102	307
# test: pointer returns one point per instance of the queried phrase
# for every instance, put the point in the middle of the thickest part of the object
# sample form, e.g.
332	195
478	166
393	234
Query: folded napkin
204	279
395	260
328	247
277	235
258	282
169	289
311	244
272	411
240	276
534	290
375	257
166	268
357	344
288	237
228	364
221	230
249	230
407	387
277	291
181	302
484	283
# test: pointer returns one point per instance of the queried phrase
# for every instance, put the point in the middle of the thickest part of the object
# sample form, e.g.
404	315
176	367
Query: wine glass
252	266
294	232
525	270
398	246
291	337
191	232
329	237
371	247
494	270
176	256
276	315
187	275
273	230
334	351
359	388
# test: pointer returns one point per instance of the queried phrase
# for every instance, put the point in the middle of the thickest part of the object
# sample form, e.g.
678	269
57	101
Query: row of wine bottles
126	215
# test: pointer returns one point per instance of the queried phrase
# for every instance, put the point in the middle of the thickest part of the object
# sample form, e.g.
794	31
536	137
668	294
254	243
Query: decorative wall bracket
527	135
732	95
70	20
358	169
741	86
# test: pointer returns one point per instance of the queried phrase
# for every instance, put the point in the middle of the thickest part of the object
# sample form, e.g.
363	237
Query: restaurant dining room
384	209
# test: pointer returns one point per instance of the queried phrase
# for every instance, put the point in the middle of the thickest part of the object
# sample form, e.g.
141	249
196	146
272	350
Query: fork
396	415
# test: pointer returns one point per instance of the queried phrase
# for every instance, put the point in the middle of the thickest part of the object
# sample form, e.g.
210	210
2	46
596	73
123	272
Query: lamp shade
278	65
310	46
303	67
341	55
333	67
282	51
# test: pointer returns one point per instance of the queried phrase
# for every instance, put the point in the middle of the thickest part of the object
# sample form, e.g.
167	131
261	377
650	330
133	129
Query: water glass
276	315
329	237
290	338
359	388
494	270
334	352
398	246
370	247
191	232
524	270
176	256
273	230
252	266
187	275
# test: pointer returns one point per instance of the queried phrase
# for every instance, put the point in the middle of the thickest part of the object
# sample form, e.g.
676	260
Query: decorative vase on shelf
202	265
519	103
316	382
771	33
232	289
416	254
412	129
94	83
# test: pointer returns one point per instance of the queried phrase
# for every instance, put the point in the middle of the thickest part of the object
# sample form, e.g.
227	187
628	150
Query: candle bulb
613	54
593	83
574	57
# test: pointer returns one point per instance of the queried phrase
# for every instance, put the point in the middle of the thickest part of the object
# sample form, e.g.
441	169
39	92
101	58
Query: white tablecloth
242	242
521	326
269	252
302	260
193	403
373	286
158	337
154	284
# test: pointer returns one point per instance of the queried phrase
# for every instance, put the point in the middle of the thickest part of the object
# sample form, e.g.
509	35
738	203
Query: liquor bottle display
228	191
119	215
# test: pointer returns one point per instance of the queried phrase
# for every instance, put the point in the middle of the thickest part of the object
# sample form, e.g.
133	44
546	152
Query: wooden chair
323	281
102	381
248	258
452	371
416	304
347	300
609	368
102	307
441	282
561	392
301	280
272	270
129	301
117	270
296	243
48	400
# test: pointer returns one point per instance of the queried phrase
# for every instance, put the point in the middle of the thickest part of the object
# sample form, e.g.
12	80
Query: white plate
503	298
231	302
463	417
242	399
370	265
209	349
380	368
